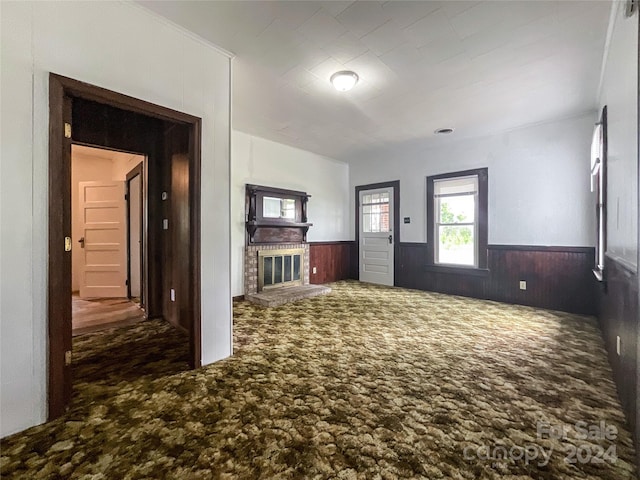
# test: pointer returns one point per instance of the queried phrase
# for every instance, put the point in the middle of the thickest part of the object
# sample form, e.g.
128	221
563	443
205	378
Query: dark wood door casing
137	171
108	119
59	269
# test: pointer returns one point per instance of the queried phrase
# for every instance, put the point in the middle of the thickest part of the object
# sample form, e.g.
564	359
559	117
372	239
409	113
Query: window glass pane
375	198
455	186
288	208
296	267
375	215
287	268
384	220
277	274
366	222
271	207
456	245
458	209
268	270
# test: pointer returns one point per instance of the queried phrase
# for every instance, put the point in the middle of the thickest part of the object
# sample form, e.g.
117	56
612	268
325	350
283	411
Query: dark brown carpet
367	382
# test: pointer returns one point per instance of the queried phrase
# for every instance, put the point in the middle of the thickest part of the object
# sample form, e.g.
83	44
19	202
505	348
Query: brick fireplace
251	265
276	258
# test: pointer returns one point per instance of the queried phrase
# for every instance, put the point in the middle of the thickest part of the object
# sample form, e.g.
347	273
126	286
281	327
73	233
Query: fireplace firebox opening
280	268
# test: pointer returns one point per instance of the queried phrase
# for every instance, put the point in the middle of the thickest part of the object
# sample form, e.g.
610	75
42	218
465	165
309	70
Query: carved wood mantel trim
261	230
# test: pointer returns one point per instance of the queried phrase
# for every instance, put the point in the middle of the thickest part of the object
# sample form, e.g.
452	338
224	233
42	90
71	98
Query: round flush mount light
443	131
344	80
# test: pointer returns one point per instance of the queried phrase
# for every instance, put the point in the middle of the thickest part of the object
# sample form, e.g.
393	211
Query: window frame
600	179
481	230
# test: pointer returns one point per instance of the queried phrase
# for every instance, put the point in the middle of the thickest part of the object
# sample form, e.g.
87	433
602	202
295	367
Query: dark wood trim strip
413	244
195	208
58	391
335	242
134	172
471	272
76	88
277	190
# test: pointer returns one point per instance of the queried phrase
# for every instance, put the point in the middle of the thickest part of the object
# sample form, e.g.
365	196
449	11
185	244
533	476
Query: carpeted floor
367	382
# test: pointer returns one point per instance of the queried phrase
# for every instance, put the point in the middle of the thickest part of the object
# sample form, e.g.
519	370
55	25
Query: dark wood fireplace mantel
290	226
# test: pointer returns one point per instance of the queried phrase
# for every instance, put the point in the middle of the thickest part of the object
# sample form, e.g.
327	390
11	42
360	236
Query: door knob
390	239
81	242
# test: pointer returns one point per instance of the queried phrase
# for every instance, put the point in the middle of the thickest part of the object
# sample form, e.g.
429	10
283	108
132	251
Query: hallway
92	315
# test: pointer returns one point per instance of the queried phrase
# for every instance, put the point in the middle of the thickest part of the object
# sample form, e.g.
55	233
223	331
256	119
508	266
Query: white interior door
104	267
376	236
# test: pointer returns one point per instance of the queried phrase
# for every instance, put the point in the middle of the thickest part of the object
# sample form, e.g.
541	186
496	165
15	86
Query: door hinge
126	196
126	282
67	358
67	244
67	130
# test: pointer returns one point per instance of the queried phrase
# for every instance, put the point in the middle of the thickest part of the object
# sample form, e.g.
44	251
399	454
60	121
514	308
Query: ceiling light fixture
344	80
443	131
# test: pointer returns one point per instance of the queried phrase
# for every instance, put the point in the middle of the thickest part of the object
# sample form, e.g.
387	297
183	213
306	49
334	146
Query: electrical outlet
523	285
315	270
618	344
173	295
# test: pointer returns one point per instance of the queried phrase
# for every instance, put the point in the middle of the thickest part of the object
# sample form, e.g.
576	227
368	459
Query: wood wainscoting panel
332	261
557	278
619	316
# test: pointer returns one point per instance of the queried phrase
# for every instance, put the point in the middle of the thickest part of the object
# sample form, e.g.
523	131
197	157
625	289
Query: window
375	212
598	185
457	219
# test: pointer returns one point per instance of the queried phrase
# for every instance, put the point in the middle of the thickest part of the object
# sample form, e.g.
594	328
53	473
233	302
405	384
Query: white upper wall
125	48
620	95
258	161
539	185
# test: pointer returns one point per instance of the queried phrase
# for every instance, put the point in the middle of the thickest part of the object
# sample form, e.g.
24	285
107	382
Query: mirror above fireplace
276	215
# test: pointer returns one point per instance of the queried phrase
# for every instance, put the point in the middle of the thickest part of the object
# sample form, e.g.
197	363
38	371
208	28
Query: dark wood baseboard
618	315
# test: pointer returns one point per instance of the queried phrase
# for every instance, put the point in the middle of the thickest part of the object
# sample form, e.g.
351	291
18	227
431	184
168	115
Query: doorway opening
161	264
377	231
103	212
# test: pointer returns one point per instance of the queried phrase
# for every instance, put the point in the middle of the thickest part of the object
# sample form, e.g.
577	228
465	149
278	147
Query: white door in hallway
103	242
376	235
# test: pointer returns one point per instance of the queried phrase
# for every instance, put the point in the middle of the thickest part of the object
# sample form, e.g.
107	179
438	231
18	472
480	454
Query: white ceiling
480	67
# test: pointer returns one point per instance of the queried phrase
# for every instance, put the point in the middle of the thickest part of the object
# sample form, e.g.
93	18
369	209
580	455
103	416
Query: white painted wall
620	94
539	190
263	162
122	47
